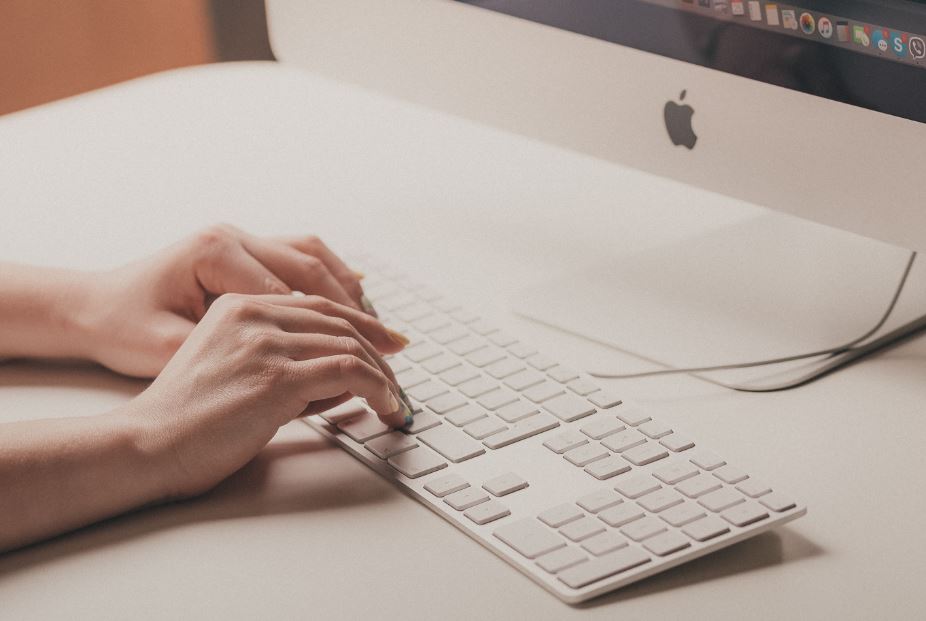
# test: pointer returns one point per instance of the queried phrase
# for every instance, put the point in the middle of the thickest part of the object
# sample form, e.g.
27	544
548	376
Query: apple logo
678	123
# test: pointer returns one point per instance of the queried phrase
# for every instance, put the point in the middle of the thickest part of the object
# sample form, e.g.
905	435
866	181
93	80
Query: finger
299	270
349	279
304	321
327	378
308	346
225	266
323	405
385	340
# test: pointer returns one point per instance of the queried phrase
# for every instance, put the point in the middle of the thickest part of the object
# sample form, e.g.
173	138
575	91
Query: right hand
253	364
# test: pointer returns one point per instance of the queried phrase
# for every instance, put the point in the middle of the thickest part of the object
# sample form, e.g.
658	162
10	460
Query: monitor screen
865	53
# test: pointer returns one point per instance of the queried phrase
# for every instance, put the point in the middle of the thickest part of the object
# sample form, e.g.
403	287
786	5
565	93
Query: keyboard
581	492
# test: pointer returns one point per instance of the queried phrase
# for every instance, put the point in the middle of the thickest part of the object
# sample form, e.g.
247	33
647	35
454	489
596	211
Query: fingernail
359	275
398	337
393	403
368	306
297	294
406	400
409	419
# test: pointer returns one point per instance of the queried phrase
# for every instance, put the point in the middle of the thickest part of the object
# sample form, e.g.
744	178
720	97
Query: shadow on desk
292	474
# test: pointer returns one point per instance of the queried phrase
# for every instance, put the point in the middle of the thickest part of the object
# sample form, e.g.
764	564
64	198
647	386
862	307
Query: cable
833	351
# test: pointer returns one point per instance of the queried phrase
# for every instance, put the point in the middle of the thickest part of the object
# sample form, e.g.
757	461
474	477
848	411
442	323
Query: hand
135	318
253	364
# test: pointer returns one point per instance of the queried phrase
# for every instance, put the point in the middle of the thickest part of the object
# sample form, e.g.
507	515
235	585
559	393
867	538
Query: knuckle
345	327
320	303
237	307
213	238
350	366
352	346
311	265
313	241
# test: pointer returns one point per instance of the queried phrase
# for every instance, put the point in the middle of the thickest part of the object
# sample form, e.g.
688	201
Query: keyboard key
543	391
706	460
596	501
504	484
604	399
411	377
660	500
621	514
753	488
343	412
729	474
601	427
449	334
582	387
637	486
465	415
607	467
425	391
776	502
706	528
413	312
521	430
745	514
567	407
654	429
485	356
644	528
497	398
603	543
446	485
583	528
562	374
466	498
451	443
603	567
504	368
487	512
422	422
416	462
524	379
484	428
676	472
502	339
397	364
676	443
562	442
422	351
390	444
463	315
467	345
721	499
482	327
560	514
364	427
698	486
513	412
645	454
682	514
585	455
446	402
541	362
439	364
561	559
431	323
529	538
477	387
666	543
623	440
631	416
521	350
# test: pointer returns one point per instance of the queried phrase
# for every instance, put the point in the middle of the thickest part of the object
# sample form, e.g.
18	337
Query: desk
305	531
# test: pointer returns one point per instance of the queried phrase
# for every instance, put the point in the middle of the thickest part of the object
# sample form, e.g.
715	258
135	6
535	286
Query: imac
804	124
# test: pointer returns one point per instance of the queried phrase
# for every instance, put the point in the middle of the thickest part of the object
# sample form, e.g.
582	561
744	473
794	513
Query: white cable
833	351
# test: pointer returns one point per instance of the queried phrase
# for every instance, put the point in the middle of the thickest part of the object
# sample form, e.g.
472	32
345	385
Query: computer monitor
816	109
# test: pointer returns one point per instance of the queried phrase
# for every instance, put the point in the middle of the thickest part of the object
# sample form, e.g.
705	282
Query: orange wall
52	49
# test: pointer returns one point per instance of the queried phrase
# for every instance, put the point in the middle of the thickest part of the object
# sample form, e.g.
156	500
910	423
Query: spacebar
522	430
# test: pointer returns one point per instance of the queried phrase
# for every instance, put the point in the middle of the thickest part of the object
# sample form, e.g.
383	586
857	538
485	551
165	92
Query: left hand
136	317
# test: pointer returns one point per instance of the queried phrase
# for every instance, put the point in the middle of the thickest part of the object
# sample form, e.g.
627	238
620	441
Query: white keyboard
530	458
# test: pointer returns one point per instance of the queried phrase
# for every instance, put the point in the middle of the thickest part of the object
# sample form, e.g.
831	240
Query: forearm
41	312
60	474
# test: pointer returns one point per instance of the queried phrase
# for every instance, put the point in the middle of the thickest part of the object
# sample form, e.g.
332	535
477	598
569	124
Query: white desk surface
305	531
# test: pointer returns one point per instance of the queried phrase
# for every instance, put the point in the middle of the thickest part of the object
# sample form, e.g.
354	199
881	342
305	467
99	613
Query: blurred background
53	49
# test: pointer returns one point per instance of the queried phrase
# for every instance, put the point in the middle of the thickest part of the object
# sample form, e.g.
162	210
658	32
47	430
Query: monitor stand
766	287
